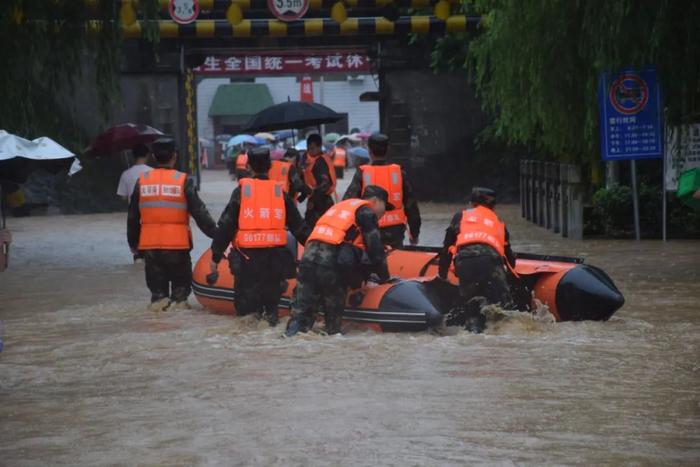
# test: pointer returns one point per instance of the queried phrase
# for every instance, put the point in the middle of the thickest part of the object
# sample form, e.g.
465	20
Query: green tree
45	44
536	64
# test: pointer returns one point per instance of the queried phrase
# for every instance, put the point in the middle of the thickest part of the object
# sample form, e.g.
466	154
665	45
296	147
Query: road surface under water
89	377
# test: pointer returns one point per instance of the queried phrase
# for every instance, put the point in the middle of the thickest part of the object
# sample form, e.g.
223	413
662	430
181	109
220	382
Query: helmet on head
483	196
259	160
378	143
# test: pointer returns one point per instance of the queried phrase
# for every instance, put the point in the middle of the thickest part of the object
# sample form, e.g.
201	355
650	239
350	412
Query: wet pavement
89	377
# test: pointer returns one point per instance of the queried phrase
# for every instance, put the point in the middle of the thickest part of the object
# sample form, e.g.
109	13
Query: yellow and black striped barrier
204	29
314	5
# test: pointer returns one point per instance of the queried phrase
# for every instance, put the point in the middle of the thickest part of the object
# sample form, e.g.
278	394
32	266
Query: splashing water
89	377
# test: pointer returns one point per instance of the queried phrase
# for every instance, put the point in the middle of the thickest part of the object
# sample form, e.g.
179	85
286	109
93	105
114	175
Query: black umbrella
290	115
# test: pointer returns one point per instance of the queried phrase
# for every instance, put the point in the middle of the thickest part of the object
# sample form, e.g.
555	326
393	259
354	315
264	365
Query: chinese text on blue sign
630	115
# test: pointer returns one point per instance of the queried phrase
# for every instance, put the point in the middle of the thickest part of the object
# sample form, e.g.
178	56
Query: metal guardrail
551	197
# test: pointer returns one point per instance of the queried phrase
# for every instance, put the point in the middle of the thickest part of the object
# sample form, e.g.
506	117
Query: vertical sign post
630	121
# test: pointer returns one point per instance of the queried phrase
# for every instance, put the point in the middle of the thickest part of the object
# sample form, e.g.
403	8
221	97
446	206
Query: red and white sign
285	63
629	94
184	11
307	89
288	10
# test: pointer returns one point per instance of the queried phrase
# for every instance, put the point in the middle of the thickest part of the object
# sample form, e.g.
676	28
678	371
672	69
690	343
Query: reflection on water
89	377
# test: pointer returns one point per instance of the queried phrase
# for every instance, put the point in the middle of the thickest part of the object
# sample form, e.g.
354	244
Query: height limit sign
630	115
288	10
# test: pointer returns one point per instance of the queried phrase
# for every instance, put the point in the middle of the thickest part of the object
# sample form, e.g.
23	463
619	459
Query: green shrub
611	214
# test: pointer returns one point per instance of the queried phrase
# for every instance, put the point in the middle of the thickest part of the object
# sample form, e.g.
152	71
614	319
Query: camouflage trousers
481	272
168	274
320	289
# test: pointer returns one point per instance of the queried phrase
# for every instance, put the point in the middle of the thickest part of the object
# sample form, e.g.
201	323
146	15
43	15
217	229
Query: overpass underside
382	29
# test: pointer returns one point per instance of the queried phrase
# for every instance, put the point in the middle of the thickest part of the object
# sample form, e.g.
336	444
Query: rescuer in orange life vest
319	176
254	222
344	249
285	172
158	224
479	243
393	179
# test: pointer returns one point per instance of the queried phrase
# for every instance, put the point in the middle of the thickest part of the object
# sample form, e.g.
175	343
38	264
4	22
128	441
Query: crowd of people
345	239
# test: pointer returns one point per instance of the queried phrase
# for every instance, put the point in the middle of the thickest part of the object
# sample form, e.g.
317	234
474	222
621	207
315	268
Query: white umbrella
40	149
353	138
43	148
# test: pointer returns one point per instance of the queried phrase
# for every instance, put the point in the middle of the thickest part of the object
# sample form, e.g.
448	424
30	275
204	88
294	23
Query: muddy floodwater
89	377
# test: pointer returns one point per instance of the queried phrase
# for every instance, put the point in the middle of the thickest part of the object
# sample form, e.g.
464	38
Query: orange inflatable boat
572	290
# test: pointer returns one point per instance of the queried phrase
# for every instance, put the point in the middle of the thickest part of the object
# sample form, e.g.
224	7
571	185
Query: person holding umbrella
319	176
130	176
158	224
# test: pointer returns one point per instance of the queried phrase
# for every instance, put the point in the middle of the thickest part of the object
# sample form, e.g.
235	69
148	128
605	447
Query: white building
339	92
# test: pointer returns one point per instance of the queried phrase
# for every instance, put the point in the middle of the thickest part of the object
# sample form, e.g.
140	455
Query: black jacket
195	205
227	226
410	204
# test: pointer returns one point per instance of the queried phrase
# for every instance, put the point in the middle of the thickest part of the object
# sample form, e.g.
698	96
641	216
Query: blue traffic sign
630	115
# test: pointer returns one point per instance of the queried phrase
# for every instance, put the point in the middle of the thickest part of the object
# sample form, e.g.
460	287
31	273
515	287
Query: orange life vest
242	162
309	172
262	217
338	157
165	219
279	172
481	225
390	178
334	225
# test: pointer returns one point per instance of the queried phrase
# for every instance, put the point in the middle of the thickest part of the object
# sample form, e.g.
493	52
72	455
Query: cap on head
378	144
259	160
374	191
483	196
163	149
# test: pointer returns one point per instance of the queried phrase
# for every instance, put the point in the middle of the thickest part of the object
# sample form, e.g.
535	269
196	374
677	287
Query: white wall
341	96
205	94
281	87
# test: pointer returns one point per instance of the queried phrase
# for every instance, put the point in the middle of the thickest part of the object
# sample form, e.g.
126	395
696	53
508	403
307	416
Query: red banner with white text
285	63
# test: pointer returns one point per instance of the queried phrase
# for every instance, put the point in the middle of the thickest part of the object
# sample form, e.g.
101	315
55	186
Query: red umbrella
122	137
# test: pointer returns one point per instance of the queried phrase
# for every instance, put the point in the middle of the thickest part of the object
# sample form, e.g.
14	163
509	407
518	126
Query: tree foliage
45	45
537	63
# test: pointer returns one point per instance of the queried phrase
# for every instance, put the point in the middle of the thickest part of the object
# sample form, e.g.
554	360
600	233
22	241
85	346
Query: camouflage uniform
260	272
479	268
392	236
169	272
322	285
319	202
